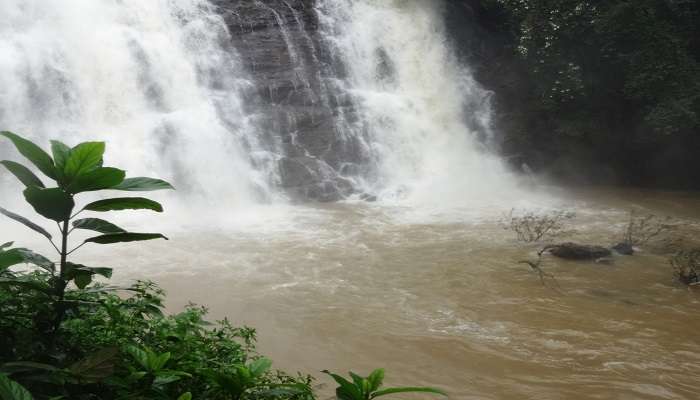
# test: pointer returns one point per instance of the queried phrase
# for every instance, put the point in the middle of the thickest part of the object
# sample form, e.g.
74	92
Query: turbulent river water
257	109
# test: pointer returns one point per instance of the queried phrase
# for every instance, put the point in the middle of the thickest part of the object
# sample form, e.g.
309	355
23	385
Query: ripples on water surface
358	286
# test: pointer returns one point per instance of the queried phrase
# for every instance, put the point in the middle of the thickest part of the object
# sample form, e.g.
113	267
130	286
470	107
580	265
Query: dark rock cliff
295	101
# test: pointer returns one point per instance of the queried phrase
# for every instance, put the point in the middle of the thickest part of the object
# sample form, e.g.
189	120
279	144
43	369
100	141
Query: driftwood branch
536	266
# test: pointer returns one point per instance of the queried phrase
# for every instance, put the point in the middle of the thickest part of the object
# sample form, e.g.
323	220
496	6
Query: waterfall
425	121
247	103
158	80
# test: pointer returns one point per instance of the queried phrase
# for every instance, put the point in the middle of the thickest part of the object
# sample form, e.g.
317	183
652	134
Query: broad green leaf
124	203
142	184
185	396
10	258
6	245
31	225
33	153
60	152
230	383
376	379
72	270
51	203
156	362
97	366
25	366
23	256
11	390
139	355
82	279
346	391
22	173
244	375
359	382
259	366
31	257
96	179
106	272
97	225
83	158
137	375
124	237
407	390
165	379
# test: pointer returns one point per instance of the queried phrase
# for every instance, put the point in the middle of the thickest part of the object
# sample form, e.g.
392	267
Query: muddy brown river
439	299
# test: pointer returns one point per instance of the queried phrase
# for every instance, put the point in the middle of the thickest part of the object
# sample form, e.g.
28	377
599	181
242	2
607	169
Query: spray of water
424	118
162	83
158	80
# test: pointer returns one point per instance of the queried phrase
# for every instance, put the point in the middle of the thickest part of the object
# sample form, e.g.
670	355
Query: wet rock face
295	104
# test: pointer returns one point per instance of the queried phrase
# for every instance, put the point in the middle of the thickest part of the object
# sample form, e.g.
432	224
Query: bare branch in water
641	229
533	227
536	266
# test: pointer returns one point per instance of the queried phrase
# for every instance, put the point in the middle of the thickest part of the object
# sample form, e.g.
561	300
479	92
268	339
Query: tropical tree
72	171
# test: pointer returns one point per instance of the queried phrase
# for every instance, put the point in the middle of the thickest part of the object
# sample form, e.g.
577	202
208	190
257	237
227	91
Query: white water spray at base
422	112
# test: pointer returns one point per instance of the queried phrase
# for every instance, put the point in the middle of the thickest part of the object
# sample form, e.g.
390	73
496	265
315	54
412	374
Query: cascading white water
158	80
415	101
162	82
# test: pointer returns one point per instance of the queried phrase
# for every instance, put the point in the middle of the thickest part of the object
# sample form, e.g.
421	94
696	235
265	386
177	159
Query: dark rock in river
624	248
574	251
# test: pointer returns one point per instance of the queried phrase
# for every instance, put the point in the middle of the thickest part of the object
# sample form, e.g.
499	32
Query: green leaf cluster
367	388
74	170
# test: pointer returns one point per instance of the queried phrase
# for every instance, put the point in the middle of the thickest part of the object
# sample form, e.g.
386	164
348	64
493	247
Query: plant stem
64	254
61	283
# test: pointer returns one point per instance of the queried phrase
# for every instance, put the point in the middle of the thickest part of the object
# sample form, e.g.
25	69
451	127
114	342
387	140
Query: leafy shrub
641	229
112	346
686	266
533	227
367	388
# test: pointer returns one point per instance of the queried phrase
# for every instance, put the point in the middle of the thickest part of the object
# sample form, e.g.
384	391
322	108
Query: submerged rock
624	248
574	251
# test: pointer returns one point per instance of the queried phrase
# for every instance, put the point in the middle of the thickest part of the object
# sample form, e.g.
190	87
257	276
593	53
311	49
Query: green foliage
11	390
74	170
113	346
686	266
124	203
638	52
596	89
367	388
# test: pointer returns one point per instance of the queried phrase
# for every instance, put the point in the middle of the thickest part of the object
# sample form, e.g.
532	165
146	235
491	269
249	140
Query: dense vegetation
63	336
605	90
